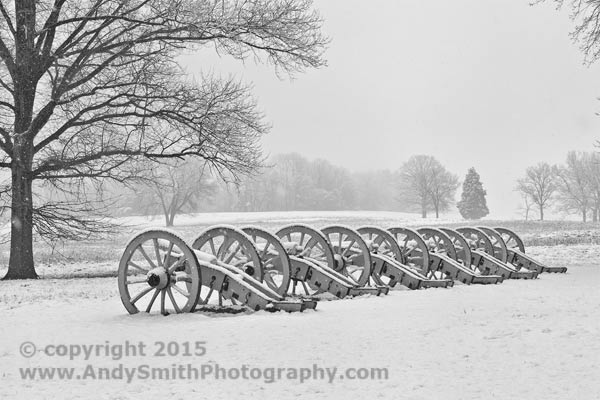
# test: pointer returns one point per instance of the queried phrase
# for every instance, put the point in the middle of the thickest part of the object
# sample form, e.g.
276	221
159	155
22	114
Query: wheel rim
158	271
385	244
413	248
274	258
463	251
234	250
500	250
352	255
511	239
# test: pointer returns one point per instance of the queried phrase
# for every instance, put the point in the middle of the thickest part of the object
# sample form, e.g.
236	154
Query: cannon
444	259
488	252
517	257
319	267
222	265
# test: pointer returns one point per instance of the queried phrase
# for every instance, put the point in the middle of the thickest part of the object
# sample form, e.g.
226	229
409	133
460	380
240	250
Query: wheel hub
158	278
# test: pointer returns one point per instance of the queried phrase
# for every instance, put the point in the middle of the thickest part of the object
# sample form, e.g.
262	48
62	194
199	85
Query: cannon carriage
289	270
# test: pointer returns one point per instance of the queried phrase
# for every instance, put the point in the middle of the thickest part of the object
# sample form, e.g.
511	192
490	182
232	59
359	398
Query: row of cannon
291	269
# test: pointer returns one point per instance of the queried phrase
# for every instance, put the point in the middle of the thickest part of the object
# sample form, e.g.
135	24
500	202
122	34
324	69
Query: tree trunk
595	214
21	264
584	215
423	212
541	213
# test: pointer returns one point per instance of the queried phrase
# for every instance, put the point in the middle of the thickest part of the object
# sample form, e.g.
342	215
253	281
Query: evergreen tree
472	204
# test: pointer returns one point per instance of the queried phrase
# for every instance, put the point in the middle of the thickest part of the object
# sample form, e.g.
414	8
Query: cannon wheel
232	249
477	239
413	248
500	251
352	255
463	250
511	239
158	262
313	246
438	241
385	244
275	260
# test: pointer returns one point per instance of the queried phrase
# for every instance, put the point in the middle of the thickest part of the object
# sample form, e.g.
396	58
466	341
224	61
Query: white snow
519	340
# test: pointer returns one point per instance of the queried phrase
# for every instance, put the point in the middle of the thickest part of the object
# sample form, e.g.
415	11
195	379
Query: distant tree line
572	187
292	182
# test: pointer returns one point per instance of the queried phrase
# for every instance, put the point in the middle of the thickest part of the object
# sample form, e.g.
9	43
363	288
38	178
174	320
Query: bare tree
539	184
526	206
443	185
574	192
593	172
425	182
178	187
90	87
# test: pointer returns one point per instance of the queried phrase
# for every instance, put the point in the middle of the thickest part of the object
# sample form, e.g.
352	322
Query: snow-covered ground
518	340
521	339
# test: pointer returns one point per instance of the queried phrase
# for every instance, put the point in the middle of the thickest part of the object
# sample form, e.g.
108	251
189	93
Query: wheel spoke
134	265
349	247
233	253
137	281
168	255
141	249
211	242
154	296
176	265
157	252
180	290
141	294
162	302
177	309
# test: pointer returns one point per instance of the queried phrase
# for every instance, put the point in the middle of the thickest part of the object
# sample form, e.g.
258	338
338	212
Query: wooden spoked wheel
500	250
382	242
351	253
438	242
274	258
305	242
511	239
463	250
158	271
413	249
234	250
477	239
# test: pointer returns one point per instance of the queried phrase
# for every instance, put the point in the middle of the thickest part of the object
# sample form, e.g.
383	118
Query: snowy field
519	340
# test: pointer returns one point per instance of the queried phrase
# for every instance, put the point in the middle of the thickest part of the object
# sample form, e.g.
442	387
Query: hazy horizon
497	85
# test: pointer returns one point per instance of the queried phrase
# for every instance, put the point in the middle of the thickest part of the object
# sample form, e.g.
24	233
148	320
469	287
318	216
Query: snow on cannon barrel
518	258
314	264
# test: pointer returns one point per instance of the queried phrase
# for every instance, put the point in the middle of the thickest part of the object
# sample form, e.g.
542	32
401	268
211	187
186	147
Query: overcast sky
494	84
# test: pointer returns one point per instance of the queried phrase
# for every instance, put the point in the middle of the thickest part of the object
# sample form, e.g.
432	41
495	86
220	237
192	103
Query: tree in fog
472	204
443	187
539	185
425	182
593	167
574	185
90	87
177	187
